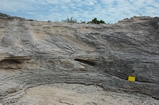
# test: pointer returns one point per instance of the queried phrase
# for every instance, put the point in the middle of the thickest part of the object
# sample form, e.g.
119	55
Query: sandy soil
76	94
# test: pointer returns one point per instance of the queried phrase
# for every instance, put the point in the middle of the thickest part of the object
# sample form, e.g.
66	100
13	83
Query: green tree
96	21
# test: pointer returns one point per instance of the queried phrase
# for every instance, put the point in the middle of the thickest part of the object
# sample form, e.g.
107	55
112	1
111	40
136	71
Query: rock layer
77	94
36	53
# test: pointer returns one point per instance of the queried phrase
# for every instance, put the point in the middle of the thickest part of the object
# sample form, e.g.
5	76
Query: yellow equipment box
131	78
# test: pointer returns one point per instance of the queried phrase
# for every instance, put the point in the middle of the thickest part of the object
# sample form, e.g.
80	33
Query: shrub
96	21
30	20
70	20
83	21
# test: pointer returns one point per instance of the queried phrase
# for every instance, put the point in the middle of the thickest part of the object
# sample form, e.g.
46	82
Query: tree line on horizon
93	21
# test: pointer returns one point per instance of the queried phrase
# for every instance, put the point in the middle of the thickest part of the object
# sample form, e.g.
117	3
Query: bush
70	20
30	20
83	21
96	21
49	21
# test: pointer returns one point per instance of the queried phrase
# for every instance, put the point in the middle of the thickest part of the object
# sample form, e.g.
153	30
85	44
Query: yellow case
131	78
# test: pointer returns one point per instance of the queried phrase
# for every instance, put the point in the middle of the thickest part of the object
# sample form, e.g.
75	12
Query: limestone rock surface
34	53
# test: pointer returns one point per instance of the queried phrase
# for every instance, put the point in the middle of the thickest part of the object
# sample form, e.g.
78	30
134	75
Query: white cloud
107	1
90	3
7	5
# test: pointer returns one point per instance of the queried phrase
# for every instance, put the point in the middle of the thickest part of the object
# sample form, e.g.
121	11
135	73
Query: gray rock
36	53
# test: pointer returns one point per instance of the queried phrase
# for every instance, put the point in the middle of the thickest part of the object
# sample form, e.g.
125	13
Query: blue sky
110	11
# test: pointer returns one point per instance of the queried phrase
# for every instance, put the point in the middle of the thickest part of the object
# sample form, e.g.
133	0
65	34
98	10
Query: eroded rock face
36	53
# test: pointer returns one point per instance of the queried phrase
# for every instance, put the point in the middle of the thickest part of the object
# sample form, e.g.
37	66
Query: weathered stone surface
77	94
36	53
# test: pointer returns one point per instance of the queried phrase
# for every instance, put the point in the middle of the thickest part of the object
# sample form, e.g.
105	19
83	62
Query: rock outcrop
36	53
